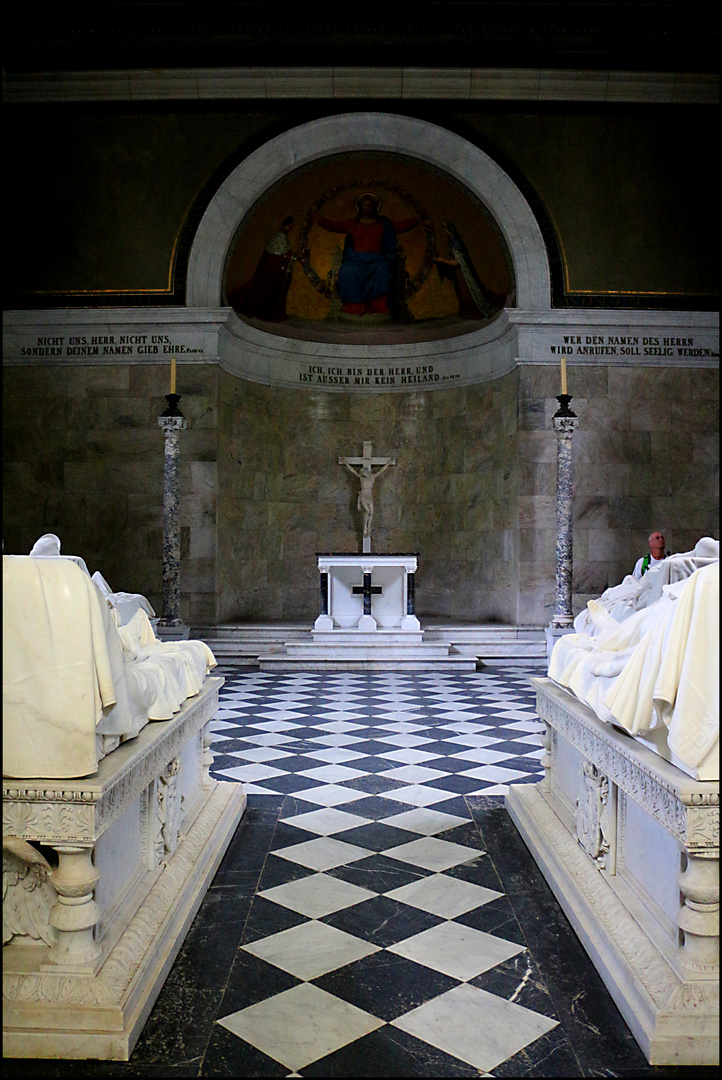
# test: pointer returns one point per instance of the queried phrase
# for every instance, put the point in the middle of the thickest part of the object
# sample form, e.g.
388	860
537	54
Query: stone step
244	644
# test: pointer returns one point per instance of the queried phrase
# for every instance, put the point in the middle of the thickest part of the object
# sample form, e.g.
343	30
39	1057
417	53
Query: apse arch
317	139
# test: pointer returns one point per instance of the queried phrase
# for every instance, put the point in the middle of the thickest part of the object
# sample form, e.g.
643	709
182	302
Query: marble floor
376	913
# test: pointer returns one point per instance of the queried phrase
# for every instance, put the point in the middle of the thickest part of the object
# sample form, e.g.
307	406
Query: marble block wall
261	491
83	458
645	457
283	497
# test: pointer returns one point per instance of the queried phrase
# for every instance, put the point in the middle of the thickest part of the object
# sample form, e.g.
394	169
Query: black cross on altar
360	589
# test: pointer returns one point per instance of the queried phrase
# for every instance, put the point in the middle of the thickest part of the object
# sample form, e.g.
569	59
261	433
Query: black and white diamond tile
400	916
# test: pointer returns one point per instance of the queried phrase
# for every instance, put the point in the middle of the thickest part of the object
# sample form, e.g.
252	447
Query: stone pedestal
630	847
137	845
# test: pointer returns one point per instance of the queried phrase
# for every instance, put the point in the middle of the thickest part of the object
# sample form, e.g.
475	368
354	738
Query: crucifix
367	477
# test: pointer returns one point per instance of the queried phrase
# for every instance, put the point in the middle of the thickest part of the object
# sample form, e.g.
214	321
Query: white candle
172	375
564	374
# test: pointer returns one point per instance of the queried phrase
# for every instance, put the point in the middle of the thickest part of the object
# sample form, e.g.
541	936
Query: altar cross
367	477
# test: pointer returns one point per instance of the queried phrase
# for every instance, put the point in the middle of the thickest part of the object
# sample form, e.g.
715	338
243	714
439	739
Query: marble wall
261	491
283	497
83	458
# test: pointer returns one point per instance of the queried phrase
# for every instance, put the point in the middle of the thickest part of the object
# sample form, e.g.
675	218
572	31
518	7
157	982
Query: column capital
565	425
171	424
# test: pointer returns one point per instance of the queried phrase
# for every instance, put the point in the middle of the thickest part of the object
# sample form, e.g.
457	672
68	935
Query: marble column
172	422
565	421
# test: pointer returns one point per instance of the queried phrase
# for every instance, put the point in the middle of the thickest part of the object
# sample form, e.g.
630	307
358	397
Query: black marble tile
457	783
517	979
252	980
551	1055
292	806
451	764
376	836
497	917
278	871
382	921
286	835
386	985
179	1024
371	765
373	784
227	1055
378	873
467	834
454	805
266	917
375	807
389	1052
286	785
479	872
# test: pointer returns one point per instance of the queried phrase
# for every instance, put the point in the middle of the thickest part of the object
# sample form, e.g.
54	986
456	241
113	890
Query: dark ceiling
666	35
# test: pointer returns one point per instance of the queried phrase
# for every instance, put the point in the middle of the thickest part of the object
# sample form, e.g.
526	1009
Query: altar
364	593
367	621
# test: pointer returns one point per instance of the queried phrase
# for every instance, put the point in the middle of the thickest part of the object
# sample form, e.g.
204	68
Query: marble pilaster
565	421
172	423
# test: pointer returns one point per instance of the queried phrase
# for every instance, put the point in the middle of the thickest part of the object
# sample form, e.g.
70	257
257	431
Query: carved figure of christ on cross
367	478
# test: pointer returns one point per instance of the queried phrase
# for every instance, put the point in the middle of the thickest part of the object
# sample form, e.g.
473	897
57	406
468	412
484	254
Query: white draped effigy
76	685
646	658
625	823
131	821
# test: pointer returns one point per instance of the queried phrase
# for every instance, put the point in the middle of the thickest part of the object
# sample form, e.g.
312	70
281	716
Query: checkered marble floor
380	930
419	739
378	921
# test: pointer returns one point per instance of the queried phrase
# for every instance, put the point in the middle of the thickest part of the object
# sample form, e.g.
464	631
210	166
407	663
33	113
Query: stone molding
689	811
108	988
474	84
657	978
79	811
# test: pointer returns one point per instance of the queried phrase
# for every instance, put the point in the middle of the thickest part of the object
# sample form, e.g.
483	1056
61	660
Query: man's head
656	544
368	204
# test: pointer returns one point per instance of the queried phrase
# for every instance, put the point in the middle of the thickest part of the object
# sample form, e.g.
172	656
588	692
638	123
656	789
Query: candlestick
172	375
564	374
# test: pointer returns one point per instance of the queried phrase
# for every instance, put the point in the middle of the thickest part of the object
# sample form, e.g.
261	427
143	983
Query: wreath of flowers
324	285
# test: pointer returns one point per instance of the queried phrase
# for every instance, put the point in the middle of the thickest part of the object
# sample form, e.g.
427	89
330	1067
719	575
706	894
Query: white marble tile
311	949
340	714
414	774
456	950
335	754
336	739
476	1026
433	854
444	896
470	739
339	726
274	726
516	714
317	895
332	773
327	821
494	772
256	771
425	821
329	795
531	724
409	756
300	1025
481	753
270	738
263	753
405	739
323	853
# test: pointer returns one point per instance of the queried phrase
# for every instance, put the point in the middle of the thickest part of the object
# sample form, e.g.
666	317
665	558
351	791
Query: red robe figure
264	295
366	275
